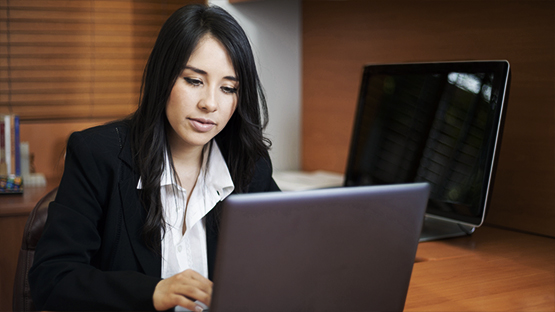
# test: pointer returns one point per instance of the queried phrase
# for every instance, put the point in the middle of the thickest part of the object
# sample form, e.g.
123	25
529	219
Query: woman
135	222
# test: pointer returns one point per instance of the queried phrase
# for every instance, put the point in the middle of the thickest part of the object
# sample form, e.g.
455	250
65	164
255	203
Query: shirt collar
167	177
216	174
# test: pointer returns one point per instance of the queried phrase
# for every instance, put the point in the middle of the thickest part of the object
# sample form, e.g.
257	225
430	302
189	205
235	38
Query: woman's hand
182	289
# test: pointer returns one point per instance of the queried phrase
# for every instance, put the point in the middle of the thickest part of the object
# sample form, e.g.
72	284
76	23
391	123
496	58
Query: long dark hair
242	141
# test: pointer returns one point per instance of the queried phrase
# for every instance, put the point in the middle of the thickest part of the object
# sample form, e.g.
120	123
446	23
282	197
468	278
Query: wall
47	142
339	37
273	28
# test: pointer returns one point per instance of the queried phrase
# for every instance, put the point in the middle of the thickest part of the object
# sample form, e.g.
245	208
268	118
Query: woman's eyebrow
202	72
232	78
196	70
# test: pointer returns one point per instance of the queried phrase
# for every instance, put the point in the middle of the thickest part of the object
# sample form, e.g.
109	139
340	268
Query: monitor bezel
501	68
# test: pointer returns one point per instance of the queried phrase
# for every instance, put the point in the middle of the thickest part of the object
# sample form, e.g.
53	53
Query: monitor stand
433	229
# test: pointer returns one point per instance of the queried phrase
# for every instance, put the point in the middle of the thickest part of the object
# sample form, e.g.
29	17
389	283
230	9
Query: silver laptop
340	249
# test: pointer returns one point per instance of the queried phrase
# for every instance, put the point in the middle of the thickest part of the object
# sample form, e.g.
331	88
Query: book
10	155
16	146
3	164
8	142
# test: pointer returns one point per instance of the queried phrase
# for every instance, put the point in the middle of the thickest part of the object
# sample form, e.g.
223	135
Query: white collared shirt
181	252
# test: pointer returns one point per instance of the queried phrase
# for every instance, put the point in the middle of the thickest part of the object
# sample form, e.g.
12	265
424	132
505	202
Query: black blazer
91	255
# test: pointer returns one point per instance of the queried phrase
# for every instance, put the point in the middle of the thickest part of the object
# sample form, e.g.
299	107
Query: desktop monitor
439	123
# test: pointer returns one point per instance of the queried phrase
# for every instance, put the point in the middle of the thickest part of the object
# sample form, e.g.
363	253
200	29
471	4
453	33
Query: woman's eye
193	82
229	90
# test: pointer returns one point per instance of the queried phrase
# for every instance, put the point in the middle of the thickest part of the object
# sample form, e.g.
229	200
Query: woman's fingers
182	289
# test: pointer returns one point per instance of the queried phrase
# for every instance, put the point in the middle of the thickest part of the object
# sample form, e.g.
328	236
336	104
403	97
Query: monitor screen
439	123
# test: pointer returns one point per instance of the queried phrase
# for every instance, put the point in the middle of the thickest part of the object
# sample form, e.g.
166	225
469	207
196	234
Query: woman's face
203	97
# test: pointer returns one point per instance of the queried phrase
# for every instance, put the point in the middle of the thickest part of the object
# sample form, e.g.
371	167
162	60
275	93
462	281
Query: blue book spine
17	146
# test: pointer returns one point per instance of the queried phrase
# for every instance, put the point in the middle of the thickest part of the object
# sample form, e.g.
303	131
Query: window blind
67	59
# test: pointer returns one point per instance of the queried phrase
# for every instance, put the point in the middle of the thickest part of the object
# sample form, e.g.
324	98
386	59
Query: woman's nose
208	102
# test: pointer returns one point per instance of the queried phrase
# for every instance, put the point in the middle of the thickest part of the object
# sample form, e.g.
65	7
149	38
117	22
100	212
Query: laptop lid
341	249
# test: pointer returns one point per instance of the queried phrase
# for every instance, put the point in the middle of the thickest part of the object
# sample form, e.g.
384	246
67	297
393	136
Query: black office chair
33	230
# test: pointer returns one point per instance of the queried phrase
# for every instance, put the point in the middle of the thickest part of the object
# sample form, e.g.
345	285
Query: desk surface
22	204
491	270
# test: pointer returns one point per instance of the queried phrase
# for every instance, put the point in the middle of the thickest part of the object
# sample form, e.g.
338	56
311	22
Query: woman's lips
201	124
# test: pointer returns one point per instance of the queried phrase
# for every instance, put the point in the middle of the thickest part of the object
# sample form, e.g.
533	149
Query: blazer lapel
134	214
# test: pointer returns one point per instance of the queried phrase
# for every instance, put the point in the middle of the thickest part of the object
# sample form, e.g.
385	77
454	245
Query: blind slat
26	99
62	63
51	51
68	87
85	72
38	26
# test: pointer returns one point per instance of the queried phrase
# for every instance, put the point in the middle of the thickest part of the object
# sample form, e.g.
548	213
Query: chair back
33	230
